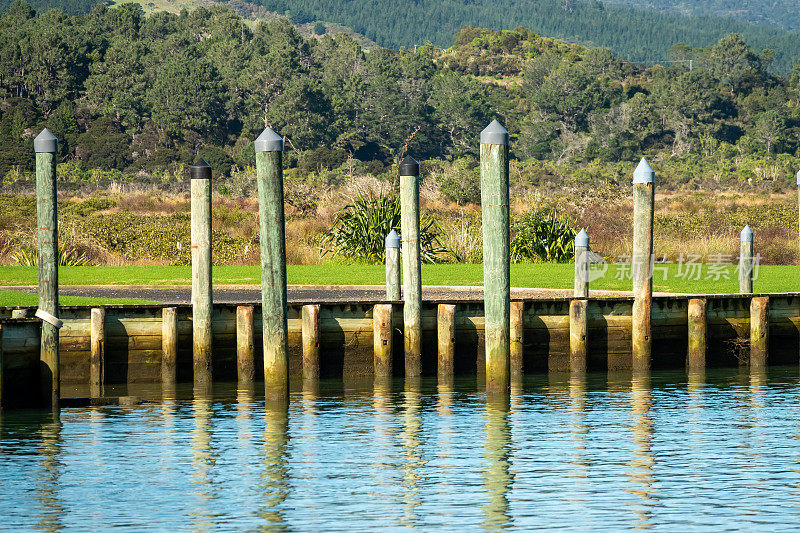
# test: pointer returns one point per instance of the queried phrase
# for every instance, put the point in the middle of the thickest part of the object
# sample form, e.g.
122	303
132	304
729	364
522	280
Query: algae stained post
269	170
496	255
642	265
200	174
412	274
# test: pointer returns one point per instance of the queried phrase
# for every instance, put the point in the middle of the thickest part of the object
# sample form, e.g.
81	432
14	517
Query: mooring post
446	339
269	170
412	273
200	174
798	204
581	265
517	339
46	147
759	332
696	349
169	344
98	349
245	345
496	255
382	340
746	261
578	334
643	200
392	266
311	336
1	367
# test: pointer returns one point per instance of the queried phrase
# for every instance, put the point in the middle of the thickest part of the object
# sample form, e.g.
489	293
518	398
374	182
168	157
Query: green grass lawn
13	299
675	278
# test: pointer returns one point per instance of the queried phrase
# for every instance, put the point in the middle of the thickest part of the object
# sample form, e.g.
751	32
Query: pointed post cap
582	239
393	240
494	133
269	141
409	166
200	170
644	172
45	143
747	234
798	177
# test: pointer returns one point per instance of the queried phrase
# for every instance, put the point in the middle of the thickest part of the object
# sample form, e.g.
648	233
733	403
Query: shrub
541	235
461	182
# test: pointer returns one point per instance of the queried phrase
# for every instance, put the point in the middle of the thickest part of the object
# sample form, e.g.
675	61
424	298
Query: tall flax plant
541	235
359	231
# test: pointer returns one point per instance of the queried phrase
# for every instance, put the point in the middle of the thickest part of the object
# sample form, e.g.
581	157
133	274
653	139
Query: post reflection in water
203	459
245	395
497	475
578	425
410	438
52	508
695	383
641	471
275	480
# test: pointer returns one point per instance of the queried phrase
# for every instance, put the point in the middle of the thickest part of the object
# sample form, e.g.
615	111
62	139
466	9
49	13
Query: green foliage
360	229
541	235
67	256
461	182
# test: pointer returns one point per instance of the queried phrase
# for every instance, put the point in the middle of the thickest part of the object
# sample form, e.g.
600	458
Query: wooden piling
46	147
382	340
200	174
245	345
412	273
169	344
759	332
392	243
269	170
578	335
643	203
446	339
517	339
2	368
696	348
746	261
496	256
581	289
98	348
310	316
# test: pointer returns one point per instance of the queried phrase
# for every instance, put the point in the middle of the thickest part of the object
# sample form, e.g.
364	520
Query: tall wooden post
643	200
2	400
581	265
245	345
798	203
98	349
169	345
269	170
759	332
496	255
696	349
412	273
311	337
446	339
200	174
392	266
46	147
578	333
746	261
382	340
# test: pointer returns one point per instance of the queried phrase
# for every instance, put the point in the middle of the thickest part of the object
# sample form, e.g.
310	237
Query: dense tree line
124	91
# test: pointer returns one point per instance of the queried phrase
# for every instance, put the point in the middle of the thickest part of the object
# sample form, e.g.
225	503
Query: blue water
714	452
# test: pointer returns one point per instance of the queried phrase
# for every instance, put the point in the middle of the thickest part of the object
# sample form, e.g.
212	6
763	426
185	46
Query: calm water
715	452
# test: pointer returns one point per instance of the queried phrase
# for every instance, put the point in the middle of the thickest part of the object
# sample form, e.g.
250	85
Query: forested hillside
144	94
72	7
780	13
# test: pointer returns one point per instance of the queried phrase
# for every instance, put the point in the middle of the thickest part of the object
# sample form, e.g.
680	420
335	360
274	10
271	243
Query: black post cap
200	170
409	166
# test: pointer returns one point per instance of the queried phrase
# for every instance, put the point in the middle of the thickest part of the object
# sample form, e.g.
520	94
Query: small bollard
200	174
746	261
446	339
643	201
517	339
496	256
46	147
169	345
245	345
578	333
412	274
310	334
759	332
382	340
392	242
97	354
581	265
696	349
269	171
